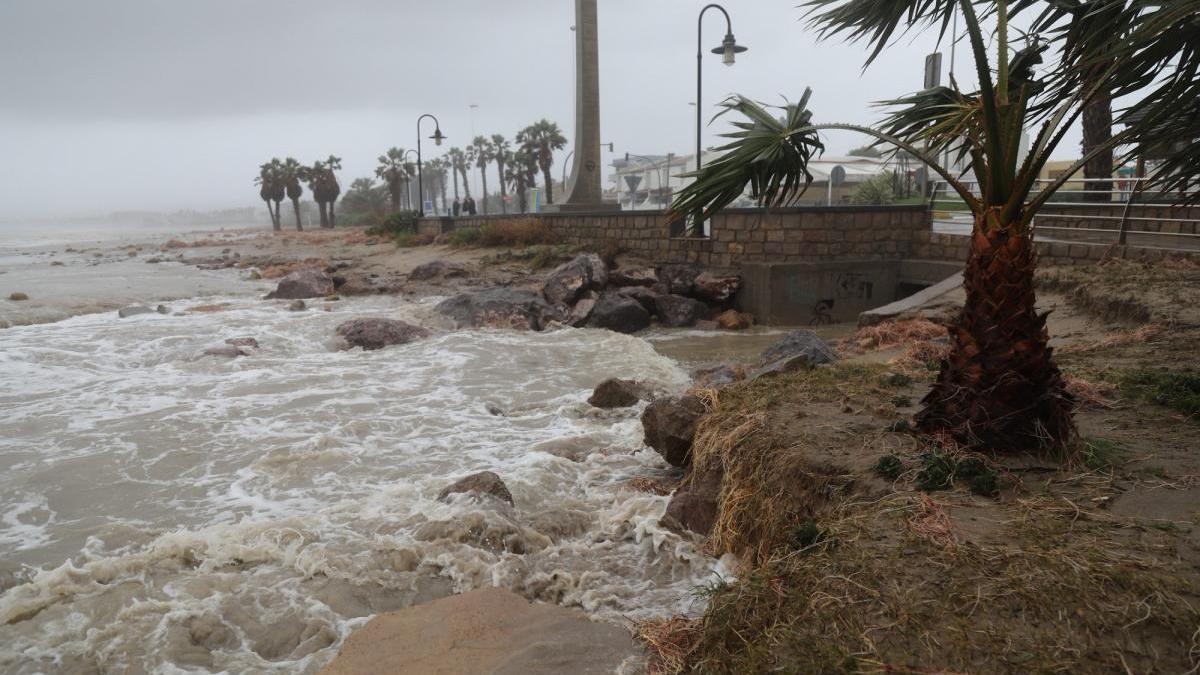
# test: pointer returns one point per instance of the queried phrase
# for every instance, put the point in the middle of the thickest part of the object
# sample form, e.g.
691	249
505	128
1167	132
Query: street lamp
729	49
437	140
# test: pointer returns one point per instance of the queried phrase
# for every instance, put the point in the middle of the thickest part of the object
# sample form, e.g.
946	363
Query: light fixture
729	49
437	136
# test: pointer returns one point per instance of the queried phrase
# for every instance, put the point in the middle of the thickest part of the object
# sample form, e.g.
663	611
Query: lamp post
437	140
728	49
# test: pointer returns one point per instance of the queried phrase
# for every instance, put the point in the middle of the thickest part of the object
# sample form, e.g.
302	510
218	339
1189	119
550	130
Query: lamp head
729	49
437	136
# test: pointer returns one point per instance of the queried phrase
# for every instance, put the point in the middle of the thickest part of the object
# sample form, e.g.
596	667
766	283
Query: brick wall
741	236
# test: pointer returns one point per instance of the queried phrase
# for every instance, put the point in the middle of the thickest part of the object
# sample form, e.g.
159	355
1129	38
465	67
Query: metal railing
1078	194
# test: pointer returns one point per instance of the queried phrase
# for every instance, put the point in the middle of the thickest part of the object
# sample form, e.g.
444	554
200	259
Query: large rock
500	308
734	320
800	343
679	279
676	311
695	504
616	393
670	426
644	295
379	333
569	281
303	283
582	309
715	288
619	313
721	376
633	276
438	269
482	484
126	312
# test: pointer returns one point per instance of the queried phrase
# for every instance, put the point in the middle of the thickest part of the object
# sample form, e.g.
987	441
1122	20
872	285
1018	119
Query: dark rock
242	342
645	296
619	313
615	393
706	324
582	309
569	281
482	484
338	281
227	351
670	425
297	306
694	505
722	376
438	269
369	284
716	289
303	283
803	343
17	296
734	320
135	310
379	333
500	308
636	276
676	311
162	309
786	364
679	279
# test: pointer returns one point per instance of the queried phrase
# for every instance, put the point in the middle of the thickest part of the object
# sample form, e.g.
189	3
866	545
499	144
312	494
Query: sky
166	104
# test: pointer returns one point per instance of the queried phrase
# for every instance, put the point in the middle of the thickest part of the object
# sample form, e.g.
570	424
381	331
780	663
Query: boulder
297	306
679	279
734	320
499	308
721	376
676	311
242	342
804	343
644	295
715	288
694	505
134	310
17	296
569	281
633	276
582	309
303	283
615	393
438	269
227	351
482	484
783	365
619	313
364	284
379	333
670	425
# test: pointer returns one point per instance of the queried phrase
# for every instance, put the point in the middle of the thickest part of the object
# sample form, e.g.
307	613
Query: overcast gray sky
164	104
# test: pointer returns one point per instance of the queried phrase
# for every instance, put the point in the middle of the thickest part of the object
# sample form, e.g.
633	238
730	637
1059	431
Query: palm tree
545	137
999	388
265	182
393	171
291	173
458	165
278	187
314	175
483	152
329	187
437	169
517	174
501	150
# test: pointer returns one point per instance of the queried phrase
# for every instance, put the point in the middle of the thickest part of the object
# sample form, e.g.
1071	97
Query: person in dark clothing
457	206
469	205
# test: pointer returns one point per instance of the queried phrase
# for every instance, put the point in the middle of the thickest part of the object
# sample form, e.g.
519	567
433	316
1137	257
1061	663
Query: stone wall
954	247
740	236
1158	218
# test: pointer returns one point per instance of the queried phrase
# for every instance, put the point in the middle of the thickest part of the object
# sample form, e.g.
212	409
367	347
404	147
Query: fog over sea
164	511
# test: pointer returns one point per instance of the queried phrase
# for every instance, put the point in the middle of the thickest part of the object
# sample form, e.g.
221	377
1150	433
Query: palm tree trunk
274	221
503	189
324	214
1097	129
483	175
549	183
442	185
278	217
296	208
454	174
394	189
999	388
466	185
332	217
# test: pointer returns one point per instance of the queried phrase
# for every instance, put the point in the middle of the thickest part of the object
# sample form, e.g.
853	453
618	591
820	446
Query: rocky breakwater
585	292
670	425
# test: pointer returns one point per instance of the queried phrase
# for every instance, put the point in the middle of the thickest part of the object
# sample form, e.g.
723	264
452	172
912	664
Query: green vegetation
877	189
1179	391
1098	454
889	467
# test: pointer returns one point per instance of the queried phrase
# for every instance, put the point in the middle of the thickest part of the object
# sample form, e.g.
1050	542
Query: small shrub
897	379
412	239
901	401
875	190
517	232
889	467
981	478
806	535
463	237
391	225
937	471
1099	454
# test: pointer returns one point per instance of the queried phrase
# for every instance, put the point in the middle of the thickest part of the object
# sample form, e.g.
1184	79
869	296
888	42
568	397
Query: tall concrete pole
583	187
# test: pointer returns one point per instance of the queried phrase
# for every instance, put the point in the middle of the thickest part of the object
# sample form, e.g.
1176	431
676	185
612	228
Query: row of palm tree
283	179
516	166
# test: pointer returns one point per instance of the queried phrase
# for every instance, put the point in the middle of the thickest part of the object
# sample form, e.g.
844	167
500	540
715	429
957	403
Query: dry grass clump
892	333
1092	394
668	641
1141	334
654	486
517	232
1054	593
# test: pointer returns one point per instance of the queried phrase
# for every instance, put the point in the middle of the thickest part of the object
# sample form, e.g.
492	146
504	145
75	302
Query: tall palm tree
458	165
314	175
437	168
265	182
330	188
501	149
291	173
517	174
278	187
545	137
483	152
392	170
999	387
